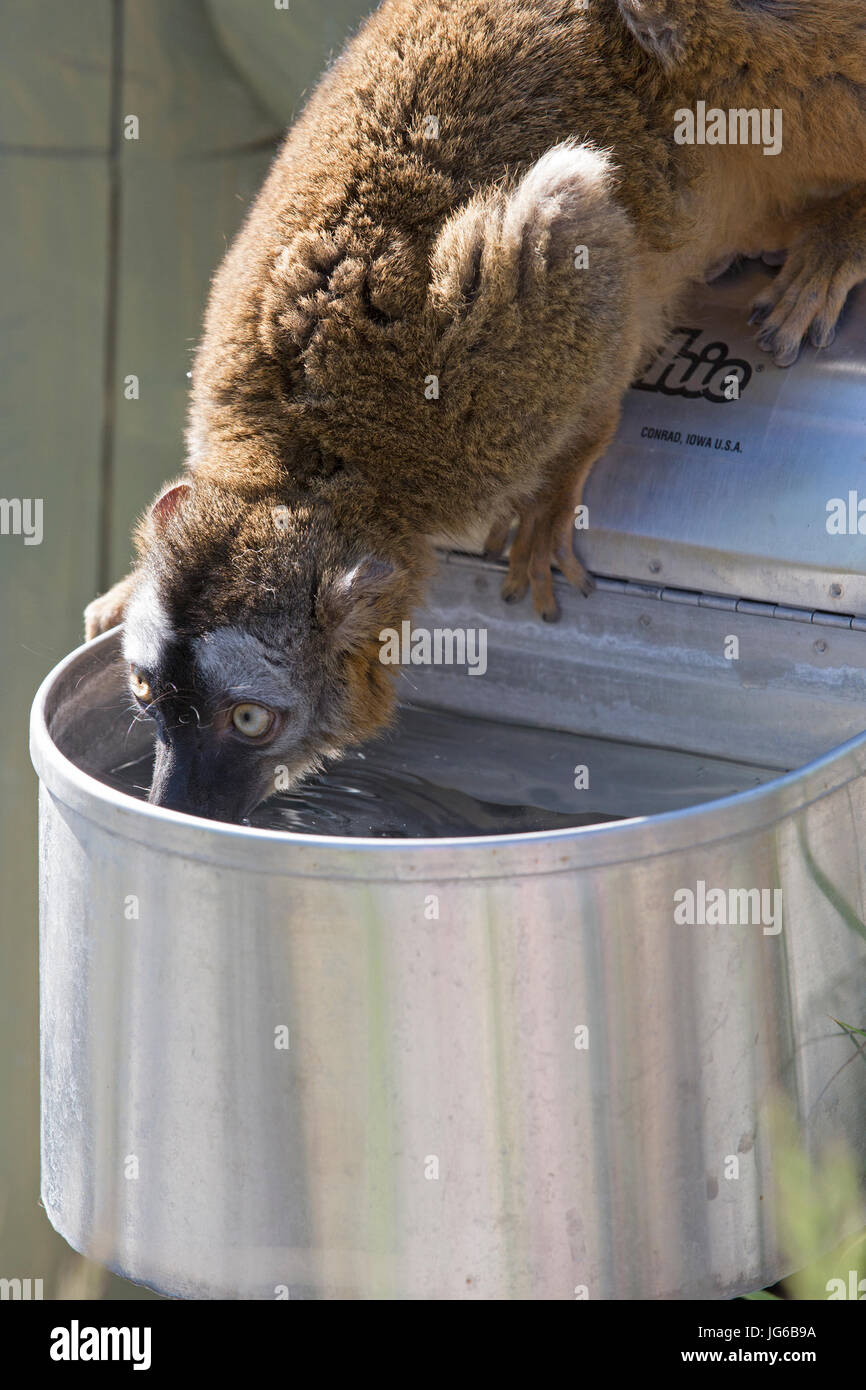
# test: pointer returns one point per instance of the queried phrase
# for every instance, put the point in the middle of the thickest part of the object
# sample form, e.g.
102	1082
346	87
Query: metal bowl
291	1065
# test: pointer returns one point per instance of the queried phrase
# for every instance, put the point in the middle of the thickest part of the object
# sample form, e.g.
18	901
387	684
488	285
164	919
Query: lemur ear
501	247
347	600
658	27
166	505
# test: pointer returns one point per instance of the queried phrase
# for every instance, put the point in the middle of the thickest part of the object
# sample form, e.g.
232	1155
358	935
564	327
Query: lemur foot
826	260
545	537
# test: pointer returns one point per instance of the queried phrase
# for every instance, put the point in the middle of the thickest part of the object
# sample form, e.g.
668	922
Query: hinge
633	588
728	604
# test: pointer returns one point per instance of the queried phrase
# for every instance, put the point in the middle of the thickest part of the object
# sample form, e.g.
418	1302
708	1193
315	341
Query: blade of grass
861	1032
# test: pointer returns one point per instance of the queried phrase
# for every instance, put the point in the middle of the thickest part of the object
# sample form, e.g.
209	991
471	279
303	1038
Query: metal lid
758	497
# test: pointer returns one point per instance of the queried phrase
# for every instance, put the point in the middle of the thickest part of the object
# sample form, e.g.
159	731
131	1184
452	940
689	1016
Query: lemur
473	237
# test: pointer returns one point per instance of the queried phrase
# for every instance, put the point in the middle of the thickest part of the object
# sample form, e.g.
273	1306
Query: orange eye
140	687
252	720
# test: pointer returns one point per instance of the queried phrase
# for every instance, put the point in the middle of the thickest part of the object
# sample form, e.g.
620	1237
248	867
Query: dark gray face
232	717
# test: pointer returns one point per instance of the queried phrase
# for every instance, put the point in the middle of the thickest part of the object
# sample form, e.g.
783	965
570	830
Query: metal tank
283	1065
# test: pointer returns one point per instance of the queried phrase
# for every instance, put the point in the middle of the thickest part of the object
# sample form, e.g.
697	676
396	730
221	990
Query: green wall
107	246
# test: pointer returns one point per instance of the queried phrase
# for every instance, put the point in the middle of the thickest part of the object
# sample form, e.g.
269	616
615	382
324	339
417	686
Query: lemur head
251	640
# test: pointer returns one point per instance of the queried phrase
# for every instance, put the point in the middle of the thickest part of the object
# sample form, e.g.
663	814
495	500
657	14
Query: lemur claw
805	300
545	537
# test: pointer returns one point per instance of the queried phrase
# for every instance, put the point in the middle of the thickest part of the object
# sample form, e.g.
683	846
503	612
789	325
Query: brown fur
377	257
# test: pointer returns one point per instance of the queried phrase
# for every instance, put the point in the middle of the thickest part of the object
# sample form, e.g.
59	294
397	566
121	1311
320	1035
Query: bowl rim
293	854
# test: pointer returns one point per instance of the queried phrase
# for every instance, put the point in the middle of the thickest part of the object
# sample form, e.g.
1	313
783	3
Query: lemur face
231	714
253	648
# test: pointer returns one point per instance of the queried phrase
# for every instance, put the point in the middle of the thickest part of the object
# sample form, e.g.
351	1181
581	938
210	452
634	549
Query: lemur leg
107	611
545	534
826	259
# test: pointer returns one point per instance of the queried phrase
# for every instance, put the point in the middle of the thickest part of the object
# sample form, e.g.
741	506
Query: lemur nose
188	778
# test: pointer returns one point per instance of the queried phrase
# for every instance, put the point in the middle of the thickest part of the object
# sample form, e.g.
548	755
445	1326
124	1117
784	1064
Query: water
438	774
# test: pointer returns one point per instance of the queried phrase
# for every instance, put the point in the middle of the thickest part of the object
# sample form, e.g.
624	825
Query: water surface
438	774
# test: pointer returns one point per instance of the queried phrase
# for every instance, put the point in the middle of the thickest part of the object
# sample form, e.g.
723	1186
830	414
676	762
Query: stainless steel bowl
434	1128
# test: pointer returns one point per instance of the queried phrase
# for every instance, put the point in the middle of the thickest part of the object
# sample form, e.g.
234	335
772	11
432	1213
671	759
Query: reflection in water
369	801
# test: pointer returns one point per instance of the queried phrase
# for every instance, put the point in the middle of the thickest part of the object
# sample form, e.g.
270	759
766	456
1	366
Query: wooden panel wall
107	246
55	98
